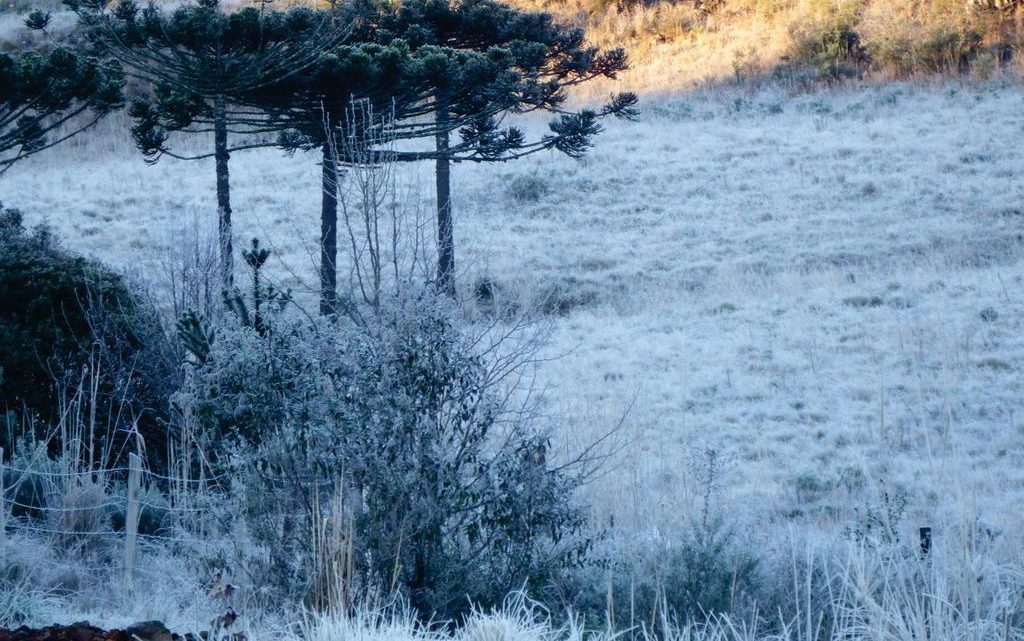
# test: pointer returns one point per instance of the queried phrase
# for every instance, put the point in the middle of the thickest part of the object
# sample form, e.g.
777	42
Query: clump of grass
861	302
528	188
565	296
810	487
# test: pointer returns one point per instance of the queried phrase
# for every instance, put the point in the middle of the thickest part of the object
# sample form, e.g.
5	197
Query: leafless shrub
387	235
189	270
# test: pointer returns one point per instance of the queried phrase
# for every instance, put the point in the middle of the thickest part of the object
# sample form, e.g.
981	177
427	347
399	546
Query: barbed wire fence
63	512
134	515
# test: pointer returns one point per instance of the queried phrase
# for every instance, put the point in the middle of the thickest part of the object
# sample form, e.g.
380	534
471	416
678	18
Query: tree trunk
329	235
221	155
445	232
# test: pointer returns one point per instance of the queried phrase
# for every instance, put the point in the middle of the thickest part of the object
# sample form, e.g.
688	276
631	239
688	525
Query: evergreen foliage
48	97
196	54
69	325
529	61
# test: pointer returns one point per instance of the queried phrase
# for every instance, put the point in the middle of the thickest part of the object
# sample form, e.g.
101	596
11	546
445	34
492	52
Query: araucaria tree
532	61
48	97
199	62
386	79
435	69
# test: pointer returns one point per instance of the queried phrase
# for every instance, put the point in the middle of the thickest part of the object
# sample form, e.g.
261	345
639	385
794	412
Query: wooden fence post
3	505
131	521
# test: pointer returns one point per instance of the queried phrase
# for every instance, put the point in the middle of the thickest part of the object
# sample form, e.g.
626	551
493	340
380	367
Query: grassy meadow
789	309
824	288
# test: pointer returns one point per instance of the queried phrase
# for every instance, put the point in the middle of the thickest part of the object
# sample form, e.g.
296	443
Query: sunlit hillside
674	45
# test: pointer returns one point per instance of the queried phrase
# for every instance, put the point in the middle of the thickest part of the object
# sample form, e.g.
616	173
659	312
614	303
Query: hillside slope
675	45
825	289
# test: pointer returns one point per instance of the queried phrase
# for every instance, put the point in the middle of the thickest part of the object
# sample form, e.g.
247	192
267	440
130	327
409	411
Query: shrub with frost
397	430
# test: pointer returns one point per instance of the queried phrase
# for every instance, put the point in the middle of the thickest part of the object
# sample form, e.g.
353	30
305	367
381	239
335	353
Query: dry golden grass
674	46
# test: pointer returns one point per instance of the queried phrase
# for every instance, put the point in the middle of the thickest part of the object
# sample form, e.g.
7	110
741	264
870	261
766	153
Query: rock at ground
80	631
144	631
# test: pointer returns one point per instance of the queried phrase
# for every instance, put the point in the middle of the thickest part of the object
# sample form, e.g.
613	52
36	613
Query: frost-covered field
821	294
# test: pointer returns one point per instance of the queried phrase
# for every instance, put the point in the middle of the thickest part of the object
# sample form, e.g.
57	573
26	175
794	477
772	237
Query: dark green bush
709	573
27	493
836	53
68	323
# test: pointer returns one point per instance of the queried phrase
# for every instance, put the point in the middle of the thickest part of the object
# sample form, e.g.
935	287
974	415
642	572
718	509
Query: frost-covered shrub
810	487
496	298
709	572
688	577
56	497
528	188
71	326
400	427
78	515
566	295
26	492
18	597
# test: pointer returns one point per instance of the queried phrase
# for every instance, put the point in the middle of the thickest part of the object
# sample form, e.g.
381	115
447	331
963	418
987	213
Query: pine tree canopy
392	80
540	60
199	54
286	73
48	97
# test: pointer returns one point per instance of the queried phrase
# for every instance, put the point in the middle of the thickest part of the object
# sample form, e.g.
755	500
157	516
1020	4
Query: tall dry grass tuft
840	593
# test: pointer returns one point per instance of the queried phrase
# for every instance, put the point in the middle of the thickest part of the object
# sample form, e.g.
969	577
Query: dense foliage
47	97
71	328
440	491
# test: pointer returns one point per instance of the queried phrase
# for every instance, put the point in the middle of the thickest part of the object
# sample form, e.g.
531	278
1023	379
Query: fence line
133	505
311	481
105	470
42	530
134	502
178	479
112	470
88	508
112	534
